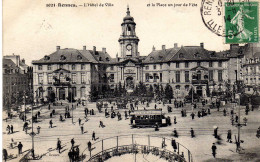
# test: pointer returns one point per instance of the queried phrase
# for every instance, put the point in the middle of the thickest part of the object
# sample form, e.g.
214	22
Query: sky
32	30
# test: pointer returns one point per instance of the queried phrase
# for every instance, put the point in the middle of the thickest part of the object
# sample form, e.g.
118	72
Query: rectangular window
147	77
178	78
154	77
49	67
210	64
187	76
83	78
154	67
112	77
186	64
147	68
210	75
39	67
220	75
40	78
73	79
82	92
74	91
50	78
82	66
73	66
177	64
220	64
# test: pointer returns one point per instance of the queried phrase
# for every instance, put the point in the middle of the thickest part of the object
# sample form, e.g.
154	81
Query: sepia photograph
133	81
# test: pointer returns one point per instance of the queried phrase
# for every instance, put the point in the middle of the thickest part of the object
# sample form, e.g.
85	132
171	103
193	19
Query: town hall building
75	71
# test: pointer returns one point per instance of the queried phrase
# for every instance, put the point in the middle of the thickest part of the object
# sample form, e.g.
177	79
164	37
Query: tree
93	93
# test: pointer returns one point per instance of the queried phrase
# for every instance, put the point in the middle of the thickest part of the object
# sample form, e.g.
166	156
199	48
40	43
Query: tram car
149	118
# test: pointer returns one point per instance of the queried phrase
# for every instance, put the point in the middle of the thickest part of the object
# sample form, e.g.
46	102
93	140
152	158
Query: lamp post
32	134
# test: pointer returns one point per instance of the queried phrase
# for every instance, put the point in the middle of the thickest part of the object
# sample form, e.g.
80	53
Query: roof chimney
202	45
84	48
23	61
153	48
175	45
163	47
58	48
104	50
94	49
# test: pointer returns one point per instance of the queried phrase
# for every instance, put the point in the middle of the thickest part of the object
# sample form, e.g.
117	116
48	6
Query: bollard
178	148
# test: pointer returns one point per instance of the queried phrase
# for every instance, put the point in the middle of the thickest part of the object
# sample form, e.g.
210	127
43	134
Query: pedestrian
79	121
53	111
192	115
216	132
50	124
70	154
8	129
199	114
236	118
59	145
163	143
5	154
89	145
72	142
50	115
101	124
49	107
94	136
61	118
39	113
174	145
175	120
156	127
224	112
38	129
192	133
229	136
214	148
20	147
175	133
232	120
82	129
209	111
12	129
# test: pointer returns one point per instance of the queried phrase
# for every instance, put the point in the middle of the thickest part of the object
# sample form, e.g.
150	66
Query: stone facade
183	67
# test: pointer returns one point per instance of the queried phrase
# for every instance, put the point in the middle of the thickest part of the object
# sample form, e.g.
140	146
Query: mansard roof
196	53
185	53
161	55
9	64
70	55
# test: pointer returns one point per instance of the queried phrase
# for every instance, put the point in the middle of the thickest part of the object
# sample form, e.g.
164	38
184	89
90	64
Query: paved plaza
200	147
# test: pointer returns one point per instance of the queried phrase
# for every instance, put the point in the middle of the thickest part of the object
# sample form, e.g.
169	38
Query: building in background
17	80
74	73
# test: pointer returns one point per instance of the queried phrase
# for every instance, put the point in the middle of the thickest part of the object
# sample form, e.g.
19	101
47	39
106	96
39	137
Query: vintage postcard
135	81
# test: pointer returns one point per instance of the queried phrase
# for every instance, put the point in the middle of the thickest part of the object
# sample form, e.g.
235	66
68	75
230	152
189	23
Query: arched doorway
129	83
62	94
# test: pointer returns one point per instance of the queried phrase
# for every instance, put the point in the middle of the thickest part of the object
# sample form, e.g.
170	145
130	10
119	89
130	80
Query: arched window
181	55
178	87
199	75
128	32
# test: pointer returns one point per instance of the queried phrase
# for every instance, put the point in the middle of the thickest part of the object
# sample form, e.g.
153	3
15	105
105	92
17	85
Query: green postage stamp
241	22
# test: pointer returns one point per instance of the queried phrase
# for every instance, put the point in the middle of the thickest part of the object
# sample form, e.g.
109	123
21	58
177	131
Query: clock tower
128	40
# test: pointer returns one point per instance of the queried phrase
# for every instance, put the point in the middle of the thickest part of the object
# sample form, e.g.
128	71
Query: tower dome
128	18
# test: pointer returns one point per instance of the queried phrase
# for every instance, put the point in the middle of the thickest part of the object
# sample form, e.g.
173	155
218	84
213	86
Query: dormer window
46	57
79	57
62	57
196	55
151	58
160	57
213	54
181	55
100	58
107	59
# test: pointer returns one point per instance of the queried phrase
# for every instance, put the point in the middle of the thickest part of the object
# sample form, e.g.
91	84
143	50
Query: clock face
129	47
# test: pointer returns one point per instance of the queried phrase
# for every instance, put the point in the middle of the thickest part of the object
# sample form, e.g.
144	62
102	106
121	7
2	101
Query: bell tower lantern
128	40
